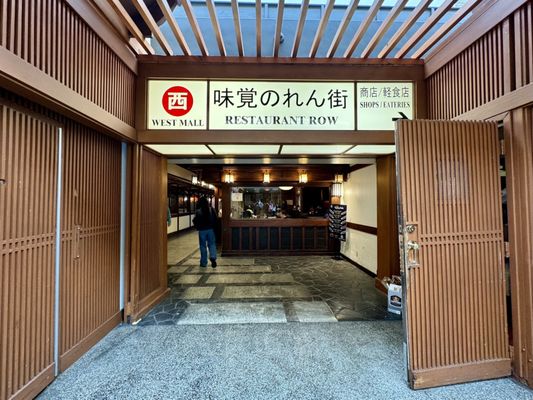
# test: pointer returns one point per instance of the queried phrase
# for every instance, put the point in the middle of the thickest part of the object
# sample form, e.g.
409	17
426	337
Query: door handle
412	253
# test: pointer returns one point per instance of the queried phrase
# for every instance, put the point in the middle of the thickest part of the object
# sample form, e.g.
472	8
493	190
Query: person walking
205	221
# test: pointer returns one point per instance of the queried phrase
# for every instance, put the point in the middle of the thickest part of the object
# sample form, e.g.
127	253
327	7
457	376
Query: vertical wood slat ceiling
90	258
417	46
53	38
28	164
471	79
461	244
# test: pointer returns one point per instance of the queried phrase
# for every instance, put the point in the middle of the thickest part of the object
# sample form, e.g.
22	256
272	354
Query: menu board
337	221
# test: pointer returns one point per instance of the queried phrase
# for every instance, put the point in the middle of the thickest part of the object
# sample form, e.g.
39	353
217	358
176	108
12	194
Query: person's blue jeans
207	240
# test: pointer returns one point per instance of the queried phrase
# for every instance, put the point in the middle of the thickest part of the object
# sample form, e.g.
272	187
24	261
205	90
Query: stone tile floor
309	289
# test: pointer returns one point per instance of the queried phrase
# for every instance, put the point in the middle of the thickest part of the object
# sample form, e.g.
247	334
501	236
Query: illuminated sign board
277	105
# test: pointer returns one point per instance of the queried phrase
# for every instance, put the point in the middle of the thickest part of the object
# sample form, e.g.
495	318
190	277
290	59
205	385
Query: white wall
360	195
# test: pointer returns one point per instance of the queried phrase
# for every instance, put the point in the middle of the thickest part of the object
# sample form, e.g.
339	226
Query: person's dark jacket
202	222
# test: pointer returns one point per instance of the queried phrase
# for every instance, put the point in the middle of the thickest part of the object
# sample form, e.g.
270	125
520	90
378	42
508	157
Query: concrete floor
268	328
293	361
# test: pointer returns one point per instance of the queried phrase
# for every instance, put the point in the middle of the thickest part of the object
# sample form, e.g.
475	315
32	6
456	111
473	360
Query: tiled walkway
269	290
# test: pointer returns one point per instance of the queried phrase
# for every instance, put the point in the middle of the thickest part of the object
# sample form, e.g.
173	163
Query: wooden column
518	128
388	247
226	211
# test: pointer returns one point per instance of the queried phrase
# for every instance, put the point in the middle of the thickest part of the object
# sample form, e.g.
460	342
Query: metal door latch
412	253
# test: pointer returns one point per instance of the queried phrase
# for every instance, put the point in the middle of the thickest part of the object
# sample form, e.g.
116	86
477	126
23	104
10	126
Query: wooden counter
276	236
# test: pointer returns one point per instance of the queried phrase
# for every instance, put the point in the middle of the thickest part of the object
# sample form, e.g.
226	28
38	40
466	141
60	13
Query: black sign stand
337	227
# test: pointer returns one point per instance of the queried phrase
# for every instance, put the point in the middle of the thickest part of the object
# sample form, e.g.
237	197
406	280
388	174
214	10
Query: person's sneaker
214	262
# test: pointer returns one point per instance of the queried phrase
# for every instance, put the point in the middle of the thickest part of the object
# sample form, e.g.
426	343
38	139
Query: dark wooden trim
68	358
387	219
24	79
474	28
357	167
362	228
108	34
268	253
278	222
359	266
265	137
36	385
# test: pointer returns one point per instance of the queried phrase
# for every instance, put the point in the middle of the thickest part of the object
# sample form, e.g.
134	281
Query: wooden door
90	246
452	252
28	190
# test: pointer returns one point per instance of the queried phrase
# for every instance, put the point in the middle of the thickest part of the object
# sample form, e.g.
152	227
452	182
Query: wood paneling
474	77
288	236
28	186
90	246
518	127
53	38
149	231
450	193
523	39
387	219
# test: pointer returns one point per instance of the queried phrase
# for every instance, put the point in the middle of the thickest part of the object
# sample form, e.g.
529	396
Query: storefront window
278	202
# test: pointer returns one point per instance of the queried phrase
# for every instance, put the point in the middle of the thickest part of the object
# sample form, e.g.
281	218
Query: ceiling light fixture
339	178
228	177
336	190
266	177
285	188
302	178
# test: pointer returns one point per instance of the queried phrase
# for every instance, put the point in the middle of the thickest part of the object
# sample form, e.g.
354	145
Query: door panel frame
463	364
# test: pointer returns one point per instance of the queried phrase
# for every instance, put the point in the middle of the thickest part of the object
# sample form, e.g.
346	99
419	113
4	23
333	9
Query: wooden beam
216	26
363	28
425	28
265	137
400	33
194	26
237	24
300	28
279	23
167	12
132	27
384	27
485	18
513	100
321	28
152	25
258	7
447	27
350	11
28	81
97	19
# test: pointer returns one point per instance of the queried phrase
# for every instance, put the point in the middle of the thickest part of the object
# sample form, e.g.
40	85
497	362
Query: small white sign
177	105
249	105
378	103
236	197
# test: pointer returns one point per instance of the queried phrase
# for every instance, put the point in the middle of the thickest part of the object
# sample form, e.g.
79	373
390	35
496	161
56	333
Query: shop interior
277	249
